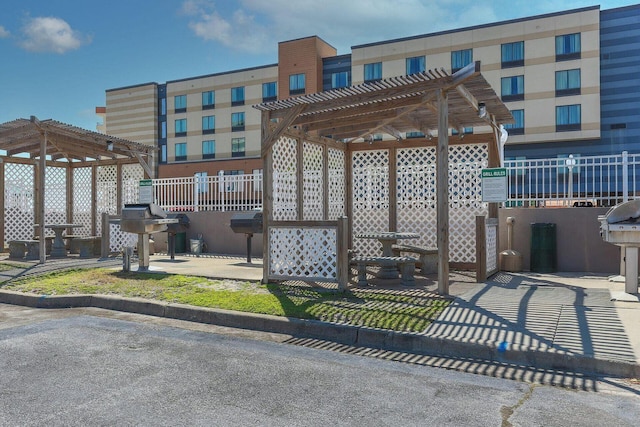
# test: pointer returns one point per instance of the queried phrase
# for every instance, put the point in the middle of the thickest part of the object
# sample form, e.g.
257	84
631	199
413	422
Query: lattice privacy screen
285	183
313	182
82	203
416	197
492	249
303	252
19	203
337	194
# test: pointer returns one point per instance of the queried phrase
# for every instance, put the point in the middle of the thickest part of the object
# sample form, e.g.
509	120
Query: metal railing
557	182
210	193
572	180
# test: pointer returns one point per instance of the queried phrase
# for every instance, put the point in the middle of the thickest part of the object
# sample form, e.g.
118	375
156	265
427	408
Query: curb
344	334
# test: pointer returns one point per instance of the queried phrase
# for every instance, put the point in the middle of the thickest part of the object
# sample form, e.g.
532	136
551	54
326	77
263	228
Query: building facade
569	78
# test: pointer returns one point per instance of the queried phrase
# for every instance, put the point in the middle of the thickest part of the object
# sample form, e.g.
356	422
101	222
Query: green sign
494	185
145	191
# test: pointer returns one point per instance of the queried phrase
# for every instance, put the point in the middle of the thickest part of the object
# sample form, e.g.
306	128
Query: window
237	95
181	127
201	178
414	135
209	149
516	128
237	147
208	125
269	91
180	103
568	47
568	118
209	100
163	153
296	84
341	79
163	129
237	122
181	151
460	59
513	88
568	82
417	64
465	131
162	110
231	179
257	180
372	72
513	55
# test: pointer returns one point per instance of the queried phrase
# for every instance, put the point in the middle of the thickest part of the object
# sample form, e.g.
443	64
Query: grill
247	223
143	219
621	227
174	228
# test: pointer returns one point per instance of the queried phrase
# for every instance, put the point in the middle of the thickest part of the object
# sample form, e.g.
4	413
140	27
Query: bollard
127	253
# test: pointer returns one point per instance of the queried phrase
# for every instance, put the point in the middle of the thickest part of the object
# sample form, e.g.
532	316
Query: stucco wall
578	241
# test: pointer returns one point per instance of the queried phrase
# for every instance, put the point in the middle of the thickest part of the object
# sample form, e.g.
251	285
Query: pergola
348	119
49	143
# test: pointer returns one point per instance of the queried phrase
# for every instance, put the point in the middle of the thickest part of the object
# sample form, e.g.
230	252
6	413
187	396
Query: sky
58	57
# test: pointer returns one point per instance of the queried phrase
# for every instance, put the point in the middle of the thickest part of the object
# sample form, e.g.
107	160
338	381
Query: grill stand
249	236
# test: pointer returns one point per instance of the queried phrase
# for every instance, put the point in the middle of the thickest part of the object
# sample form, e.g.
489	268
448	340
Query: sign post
494	185
145	191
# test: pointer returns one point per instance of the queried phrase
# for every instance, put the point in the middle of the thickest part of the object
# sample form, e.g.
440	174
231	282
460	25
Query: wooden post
325	181
41	186
105	248
342	252
481	249
94	200
267	196
494	162
442	190
300	178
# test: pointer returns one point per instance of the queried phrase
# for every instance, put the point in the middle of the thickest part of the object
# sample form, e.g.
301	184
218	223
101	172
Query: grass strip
398	311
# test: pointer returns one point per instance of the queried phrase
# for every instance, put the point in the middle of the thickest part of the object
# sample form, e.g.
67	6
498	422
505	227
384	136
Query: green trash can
181	243
543	258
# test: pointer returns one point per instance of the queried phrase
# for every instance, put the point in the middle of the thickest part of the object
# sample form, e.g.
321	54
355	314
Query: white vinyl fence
563	181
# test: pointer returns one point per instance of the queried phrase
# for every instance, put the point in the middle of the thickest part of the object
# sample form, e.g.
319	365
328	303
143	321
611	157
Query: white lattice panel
308	253
416	194
119	239
285	183
491	245
131	176
18	201
82	204
55	196
337	184
313	182
465	199
370	179
107	189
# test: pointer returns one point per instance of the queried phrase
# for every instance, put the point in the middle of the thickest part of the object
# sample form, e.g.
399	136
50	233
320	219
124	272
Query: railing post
625	176
196	183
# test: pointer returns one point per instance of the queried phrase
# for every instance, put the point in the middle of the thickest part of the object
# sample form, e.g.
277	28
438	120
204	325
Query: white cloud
3	33
239	30
50	34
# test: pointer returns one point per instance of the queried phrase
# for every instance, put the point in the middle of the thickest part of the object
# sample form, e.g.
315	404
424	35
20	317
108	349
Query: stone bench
427	257
86	245
405	263
17	249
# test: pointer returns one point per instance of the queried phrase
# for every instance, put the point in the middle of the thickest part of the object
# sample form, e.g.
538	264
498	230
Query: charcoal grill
248	223
621	227
143	219
174	228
